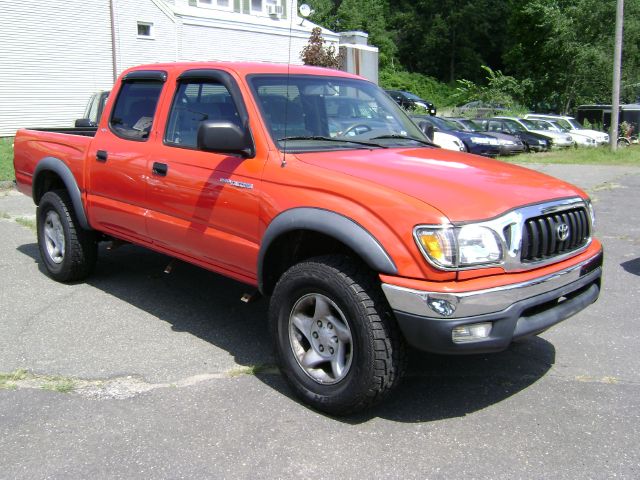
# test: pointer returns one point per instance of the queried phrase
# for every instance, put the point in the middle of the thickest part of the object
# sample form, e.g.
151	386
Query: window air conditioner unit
274	10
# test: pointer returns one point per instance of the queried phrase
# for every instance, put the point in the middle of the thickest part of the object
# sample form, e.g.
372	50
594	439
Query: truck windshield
313	113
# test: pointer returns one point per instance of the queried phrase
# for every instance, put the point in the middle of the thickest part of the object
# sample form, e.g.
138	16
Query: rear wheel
623	142
68	252
336	341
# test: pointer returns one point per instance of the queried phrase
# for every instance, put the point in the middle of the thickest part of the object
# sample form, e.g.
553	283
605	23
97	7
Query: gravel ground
137	373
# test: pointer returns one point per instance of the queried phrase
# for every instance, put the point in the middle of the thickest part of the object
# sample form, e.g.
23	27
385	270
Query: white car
558	140
573	126
448	142
579	139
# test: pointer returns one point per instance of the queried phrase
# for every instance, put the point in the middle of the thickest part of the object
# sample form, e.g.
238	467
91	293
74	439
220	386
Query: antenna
286	105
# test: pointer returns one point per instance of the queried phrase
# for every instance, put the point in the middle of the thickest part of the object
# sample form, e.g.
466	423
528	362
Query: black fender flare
58	167
335	225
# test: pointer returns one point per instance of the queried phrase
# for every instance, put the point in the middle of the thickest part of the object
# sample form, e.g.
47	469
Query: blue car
474	142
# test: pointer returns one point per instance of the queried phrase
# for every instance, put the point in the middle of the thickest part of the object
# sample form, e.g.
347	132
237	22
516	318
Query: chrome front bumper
428	318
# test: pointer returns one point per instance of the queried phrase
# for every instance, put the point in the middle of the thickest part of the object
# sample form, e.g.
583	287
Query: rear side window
195	102
135	107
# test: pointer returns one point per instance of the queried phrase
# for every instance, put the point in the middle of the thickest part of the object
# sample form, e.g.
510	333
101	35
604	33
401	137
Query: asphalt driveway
142	374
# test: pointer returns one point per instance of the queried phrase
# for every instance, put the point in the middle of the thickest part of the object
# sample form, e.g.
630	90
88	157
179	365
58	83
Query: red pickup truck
313	186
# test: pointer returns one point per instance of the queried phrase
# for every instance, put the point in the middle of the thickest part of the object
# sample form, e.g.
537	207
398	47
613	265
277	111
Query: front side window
307	113
132	116
193	103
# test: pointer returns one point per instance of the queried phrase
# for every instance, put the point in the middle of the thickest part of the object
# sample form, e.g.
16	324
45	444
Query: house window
266	7
218	4
145	30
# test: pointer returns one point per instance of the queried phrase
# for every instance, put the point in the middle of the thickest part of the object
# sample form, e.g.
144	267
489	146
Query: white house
53	55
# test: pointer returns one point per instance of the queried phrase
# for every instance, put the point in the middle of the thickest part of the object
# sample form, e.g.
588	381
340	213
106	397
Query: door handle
101	155
160	169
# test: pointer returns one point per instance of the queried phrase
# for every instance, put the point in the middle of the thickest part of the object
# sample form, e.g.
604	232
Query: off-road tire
378	352
80	246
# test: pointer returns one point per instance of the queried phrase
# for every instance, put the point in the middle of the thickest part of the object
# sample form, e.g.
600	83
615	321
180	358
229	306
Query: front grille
541	240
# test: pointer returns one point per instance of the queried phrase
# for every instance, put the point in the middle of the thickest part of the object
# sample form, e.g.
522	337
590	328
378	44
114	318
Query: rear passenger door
118	157
204	205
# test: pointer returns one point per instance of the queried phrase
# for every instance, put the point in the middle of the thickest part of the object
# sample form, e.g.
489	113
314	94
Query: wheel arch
304	232
52	173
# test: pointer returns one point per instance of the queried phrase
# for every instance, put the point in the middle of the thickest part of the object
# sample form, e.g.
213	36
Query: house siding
132	50
200	42
53	56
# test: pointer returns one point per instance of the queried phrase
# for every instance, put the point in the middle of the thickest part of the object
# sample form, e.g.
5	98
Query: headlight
480	140
506	142
459	247
592	213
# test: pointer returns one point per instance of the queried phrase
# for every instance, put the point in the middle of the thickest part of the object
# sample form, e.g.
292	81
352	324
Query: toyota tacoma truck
365	237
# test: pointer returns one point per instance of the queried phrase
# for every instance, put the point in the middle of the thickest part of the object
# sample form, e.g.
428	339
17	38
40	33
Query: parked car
364	243
477	143
93	112
479	109
578	139
574	127
533	141
441	139
558	140
410	101
508	144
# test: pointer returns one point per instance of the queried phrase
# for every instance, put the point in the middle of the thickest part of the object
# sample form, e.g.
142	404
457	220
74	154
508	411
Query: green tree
369	16
566	49
450	39
324	12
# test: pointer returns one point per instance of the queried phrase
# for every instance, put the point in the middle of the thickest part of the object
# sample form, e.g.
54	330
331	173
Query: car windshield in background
538	125
574	124
472	126
515	126
311	113
530	125
412	96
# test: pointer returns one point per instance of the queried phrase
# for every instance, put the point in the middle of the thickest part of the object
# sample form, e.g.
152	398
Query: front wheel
337	343
68	252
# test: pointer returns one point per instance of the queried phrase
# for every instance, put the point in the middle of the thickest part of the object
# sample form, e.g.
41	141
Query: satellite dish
305	10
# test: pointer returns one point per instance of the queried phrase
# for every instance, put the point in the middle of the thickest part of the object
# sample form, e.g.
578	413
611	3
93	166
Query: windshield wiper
332	139
395	136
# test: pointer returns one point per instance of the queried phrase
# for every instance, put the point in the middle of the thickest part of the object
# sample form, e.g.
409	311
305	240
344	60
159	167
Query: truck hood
461	186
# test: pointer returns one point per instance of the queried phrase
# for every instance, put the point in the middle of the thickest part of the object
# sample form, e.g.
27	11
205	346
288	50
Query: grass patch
60	385
5	215
10	381
7	379
6	159
582	156
27	222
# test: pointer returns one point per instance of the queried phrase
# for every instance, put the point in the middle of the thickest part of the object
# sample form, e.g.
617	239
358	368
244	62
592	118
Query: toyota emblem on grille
562	232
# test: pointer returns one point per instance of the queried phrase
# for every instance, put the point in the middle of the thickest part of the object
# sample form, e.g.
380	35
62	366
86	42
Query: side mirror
225	137
84	123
